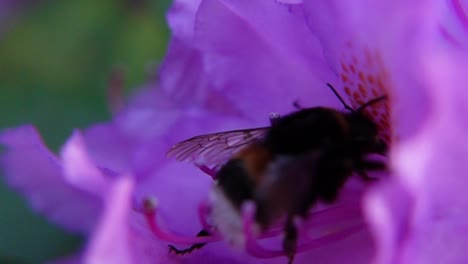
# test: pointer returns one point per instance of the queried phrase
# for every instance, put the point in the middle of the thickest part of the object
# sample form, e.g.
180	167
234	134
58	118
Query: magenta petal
35	171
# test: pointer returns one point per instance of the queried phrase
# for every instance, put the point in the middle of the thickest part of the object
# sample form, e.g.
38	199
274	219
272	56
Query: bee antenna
371	102
346	106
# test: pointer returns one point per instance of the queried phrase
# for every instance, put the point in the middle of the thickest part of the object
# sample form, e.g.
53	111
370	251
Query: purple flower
231	63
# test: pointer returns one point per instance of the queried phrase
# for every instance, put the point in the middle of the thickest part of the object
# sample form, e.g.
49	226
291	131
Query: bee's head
364	134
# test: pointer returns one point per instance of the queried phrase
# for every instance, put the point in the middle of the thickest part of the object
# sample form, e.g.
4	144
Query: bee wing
215	148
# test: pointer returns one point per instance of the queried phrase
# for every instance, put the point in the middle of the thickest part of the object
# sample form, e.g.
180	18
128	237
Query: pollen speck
365	77
362	90
368	55
385	123
344	77
356	95
344	67
361	76
380	84
347	90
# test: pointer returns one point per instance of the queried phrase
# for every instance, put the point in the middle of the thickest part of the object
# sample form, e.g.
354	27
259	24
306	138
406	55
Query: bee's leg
297	105
202	233
290	239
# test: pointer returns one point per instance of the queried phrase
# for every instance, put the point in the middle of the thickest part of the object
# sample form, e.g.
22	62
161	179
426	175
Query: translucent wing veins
215	148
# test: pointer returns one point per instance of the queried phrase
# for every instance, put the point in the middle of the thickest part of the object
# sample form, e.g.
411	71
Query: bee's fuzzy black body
301	159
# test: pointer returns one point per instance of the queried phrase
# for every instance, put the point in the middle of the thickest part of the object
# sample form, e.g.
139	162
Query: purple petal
36	172
430	167
183	77
110	241
438	176
388	207
453	23
290	1
231	74
181	18
182	71
271	58
79	171
108	148
358	38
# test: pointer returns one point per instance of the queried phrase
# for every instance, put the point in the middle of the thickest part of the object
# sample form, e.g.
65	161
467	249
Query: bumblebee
301	159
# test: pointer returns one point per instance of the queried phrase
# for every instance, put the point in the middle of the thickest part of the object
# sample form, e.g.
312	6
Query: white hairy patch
226	218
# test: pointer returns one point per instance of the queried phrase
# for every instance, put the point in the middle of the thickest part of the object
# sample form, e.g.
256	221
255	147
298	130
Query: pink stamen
328	238
272	232
329	217
150	213
210	171
333	215
256	250
252	247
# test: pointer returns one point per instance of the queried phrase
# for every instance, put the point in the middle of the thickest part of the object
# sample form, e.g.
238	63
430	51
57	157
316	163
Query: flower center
364	77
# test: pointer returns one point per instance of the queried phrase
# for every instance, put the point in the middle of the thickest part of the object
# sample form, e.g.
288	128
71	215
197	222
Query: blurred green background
55	62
